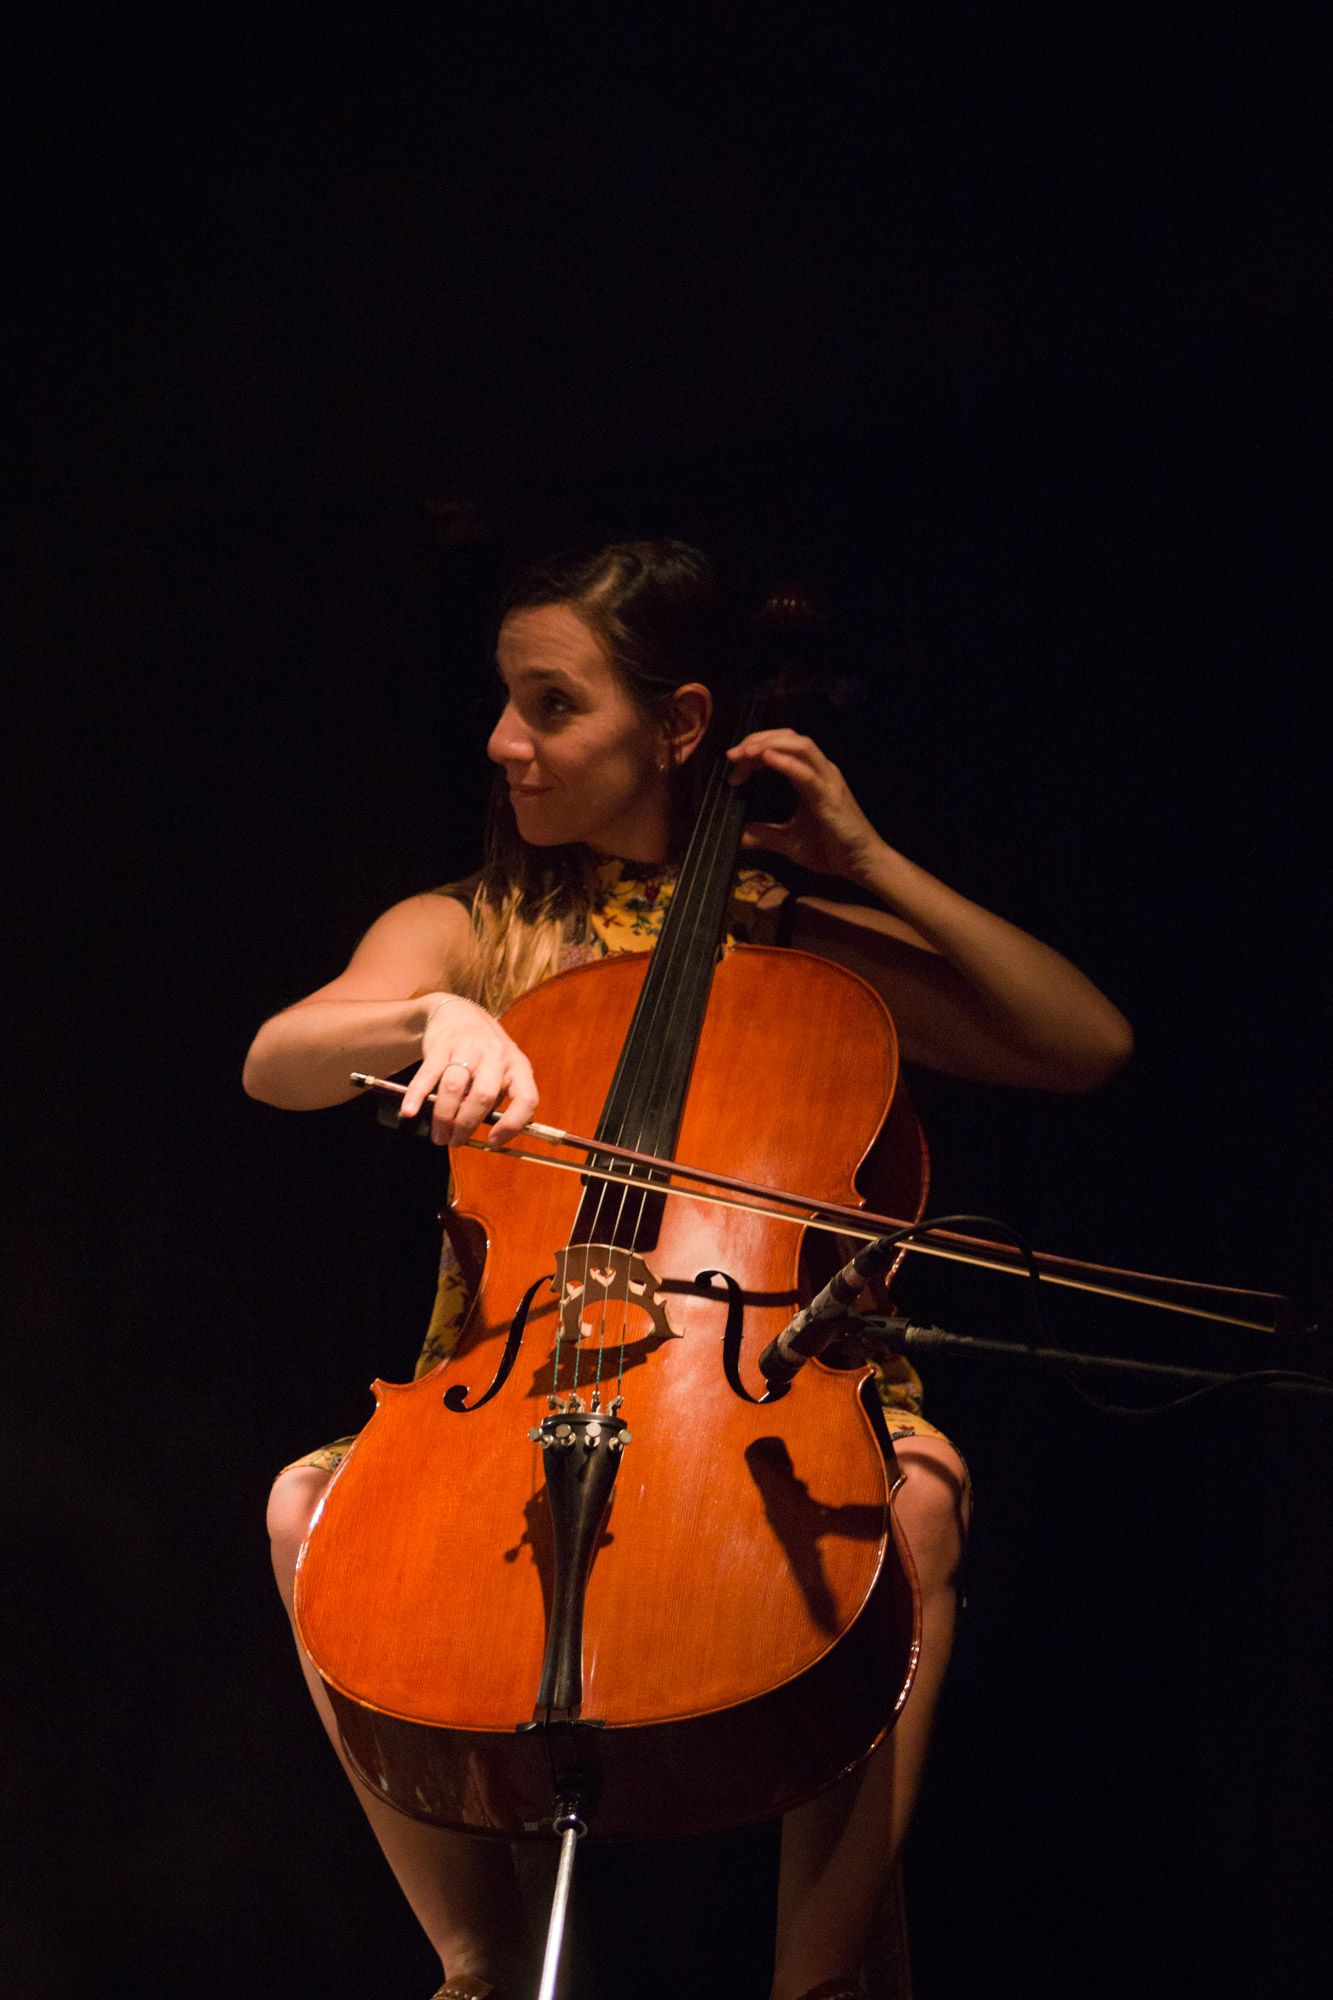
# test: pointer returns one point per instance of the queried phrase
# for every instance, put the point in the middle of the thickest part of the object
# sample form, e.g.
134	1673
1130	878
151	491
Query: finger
455	1080
760	740
773	837
800	761
480	1097
744	764
519	1110
810	784
413	1100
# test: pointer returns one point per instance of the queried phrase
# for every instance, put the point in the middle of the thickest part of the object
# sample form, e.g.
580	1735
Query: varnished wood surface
741	1542
702	1774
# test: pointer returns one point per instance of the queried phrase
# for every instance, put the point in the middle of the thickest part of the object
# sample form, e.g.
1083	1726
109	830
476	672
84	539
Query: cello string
633	1083
682	940
653	1043
647	1062
627	1241
617	1237
648	1043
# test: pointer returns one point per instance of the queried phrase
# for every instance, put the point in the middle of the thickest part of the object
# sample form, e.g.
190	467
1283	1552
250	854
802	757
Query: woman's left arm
969	993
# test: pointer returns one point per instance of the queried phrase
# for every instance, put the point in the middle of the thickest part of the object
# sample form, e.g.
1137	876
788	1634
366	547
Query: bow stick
806	1212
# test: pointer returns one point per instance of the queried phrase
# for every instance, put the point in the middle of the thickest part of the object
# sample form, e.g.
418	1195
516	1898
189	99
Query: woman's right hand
470	1063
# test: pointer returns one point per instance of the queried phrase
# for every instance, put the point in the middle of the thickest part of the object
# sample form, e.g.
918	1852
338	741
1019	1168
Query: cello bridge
599	1286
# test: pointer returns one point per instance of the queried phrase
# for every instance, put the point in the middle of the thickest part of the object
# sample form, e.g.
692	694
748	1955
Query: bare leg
464	1892
838	1852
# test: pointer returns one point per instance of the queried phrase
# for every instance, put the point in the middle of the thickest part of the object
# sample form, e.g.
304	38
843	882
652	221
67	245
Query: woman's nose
509	742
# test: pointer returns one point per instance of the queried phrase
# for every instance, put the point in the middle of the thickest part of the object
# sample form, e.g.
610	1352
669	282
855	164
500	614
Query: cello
591	1560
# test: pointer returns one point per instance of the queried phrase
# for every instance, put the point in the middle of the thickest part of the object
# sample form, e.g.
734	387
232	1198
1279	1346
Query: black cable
1294	1377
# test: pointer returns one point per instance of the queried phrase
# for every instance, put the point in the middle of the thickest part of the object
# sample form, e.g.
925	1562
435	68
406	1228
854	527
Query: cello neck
647	1094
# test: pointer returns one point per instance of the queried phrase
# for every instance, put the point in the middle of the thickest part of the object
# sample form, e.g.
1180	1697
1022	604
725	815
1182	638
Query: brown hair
656	607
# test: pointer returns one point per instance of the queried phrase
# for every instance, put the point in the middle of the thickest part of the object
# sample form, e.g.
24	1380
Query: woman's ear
687	716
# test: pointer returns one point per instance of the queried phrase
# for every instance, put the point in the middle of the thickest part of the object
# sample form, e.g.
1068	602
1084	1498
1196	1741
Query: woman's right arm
395	1004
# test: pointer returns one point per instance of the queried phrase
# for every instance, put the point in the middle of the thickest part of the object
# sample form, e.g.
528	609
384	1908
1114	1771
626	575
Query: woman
606	664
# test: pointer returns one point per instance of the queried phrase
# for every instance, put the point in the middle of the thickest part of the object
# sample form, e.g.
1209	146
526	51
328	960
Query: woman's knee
933	1505
292	1501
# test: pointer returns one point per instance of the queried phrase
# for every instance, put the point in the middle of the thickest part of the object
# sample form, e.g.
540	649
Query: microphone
817	1324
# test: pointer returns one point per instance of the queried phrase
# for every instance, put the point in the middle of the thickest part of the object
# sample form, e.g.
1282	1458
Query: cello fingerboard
647	1096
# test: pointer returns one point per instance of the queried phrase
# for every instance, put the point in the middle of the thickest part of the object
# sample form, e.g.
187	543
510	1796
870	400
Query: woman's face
582	760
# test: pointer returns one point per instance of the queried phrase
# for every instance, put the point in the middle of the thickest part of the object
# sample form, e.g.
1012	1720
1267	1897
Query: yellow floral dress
627	915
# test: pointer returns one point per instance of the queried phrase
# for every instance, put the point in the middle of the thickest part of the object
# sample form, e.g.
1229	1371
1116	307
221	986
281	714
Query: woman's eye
555	703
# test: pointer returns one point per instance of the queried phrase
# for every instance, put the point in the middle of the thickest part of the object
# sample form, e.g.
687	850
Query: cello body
749	1623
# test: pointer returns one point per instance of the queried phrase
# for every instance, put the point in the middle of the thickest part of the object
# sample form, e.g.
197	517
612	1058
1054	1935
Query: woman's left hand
828	833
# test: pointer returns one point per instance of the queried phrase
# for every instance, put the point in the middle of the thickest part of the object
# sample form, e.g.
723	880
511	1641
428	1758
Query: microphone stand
830	1316
899	1336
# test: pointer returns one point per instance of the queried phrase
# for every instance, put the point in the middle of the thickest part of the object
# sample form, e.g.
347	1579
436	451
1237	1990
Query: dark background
995	334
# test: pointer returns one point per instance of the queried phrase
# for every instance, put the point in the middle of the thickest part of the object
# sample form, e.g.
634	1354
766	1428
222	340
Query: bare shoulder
420	945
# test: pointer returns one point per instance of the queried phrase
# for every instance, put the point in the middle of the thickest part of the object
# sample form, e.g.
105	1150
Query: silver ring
466	1069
